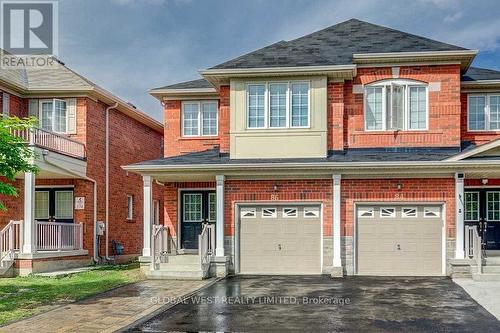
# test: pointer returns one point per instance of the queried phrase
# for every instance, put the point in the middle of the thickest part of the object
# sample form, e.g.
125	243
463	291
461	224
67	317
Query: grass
22	297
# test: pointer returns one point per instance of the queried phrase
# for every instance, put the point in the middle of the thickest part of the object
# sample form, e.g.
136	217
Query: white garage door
280	240
399	240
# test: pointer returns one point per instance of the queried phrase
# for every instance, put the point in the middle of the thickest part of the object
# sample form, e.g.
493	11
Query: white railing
10	242
52	141
160	245
473	249
51	236
206	246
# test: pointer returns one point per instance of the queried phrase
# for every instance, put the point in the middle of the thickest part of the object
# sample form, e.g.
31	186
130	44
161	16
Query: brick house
357	149
85	134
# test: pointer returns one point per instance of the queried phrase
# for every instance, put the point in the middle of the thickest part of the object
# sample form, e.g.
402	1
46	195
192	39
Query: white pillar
147	216
337	261
459	216
29	213
219	227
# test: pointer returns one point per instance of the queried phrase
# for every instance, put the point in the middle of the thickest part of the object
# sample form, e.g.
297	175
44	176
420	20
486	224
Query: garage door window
311	212
431	212
409	212
248	213
290	212
269	213
365	212
387	212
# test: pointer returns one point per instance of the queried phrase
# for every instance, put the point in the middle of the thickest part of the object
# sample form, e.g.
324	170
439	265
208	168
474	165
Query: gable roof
480	74
336	45
61	79
193	84
474	151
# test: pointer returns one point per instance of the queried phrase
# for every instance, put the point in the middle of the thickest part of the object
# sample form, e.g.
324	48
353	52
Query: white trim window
269	213
366	212
493	205
471	206
5	105
249	213
53	115
483	112
408	212
396	105
64	204
278	105
311	212
42	205
387	212
199	118
130	207
290	212
431	212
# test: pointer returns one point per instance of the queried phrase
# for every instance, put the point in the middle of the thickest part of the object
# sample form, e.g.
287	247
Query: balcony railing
51	236
52	141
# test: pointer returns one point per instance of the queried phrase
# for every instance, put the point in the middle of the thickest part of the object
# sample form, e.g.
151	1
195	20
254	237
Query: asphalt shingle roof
201	83
478	74
213	156
335	45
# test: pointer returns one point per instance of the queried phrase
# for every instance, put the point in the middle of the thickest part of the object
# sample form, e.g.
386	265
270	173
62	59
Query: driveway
321	304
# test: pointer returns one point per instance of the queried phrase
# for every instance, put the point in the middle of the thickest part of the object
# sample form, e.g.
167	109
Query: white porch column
29	213
459	215
147	215
337	261
219	227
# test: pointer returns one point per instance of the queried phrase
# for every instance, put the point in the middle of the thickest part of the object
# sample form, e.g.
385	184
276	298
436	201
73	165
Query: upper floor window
278	105
199	118
396	105
55	115
484	112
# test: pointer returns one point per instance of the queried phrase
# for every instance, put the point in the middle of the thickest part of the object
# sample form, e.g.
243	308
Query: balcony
52	141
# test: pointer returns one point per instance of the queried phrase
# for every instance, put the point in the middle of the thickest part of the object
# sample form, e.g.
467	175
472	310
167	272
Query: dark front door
197	208
482	208
54	205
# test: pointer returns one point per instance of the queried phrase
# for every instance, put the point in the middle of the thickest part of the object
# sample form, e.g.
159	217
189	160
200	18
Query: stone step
184	259
491	261
486	277
179	267
175	275
491	269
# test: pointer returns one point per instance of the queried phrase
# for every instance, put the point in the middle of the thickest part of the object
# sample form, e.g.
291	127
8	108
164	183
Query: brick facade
475	137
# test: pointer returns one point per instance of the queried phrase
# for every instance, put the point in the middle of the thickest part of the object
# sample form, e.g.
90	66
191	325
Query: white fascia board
480	83
277	70
183	91
478	150
371	56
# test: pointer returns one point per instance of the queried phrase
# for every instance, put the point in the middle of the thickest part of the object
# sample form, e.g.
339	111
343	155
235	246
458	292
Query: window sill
384	132
188	138
130	220
485	132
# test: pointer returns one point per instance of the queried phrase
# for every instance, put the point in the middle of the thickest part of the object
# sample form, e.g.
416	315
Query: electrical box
100	228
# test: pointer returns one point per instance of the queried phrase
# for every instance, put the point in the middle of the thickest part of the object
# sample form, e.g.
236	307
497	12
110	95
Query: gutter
107	178
48	161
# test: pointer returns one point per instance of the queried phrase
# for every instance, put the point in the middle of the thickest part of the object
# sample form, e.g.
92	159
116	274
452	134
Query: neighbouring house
81	205
357	149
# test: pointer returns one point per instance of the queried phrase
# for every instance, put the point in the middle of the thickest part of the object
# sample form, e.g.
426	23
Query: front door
197	208
54	205
482	208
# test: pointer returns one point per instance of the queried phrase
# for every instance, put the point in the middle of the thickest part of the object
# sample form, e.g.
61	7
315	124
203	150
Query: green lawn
24	296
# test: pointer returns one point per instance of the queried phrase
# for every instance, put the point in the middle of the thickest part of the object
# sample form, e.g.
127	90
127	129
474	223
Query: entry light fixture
400	186
484	181
275	187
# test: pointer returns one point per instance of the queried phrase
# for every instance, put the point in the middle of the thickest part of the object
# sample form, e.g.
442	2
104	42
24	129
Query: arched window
393	105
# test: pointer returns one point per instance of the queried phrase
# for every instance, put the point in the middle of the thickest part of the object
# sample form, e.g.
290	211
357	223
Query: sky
131	46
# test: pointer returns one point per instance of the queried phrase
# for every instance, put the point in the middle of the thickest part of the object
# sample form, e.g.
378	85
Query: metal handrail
206	246
473	246
160	245
10	242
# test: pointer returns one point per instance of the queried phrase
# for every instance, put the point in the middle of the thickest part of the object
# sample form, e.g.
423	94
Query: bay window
199	118
278	105
396	105
484	112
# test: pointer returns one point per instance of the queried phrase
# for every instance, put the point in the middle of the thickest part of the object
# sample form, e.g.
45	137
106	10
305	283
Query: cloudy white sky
131	46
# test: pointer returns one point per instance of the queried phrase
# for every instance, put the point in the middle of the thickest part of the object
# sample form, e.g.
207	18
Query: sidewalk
486	293
109	311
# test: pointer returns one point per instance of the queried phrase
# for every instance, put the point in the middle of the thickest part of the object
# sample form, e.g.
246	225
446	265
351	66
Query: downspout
107	178
47	160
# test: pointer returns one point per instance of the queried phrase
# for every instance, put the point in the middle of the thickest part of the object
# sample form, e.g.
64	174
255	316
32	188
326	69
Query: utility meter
100	228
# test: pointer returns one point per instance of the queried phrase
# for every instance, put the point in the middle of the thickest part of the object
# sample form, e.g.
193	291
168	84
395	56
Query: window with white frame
278	105
409	212
53	115
212	207
311	212
64	204
471	206
387	212
396	105
431	212
290	212
269	213
365	212
483	112
493	206
5	105
130	207
42	205
248	213
199	118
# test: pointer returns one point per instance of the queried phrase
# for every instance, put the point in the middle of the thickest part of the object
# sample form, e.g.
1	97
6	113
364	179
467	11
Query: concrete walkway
486	293
110	311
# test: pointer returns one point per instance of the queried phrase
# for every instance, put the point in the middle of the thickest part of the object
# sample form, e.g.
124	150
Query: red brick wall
478	182
336	116
17	106
412	190
444	109
476	137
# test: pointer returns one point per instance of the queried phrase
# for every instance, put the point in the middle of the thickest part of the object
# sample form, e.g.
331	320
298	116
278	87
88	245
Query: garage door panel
419	240
299	239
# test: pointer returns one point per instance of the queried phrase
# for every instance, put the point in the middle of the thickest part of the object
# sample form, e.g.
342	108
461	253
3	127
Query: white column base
219	225
337	248
459	216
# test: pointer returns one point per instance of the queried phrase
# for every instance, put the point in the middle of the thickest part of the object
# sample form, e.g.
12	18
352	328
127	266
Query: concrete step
175	275
491	261
179	267
183	259
486	277
491	269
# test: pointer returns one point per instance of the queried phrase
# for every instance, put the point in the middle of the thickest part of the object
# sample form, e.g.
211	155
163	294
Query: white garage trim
279	205
402	204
